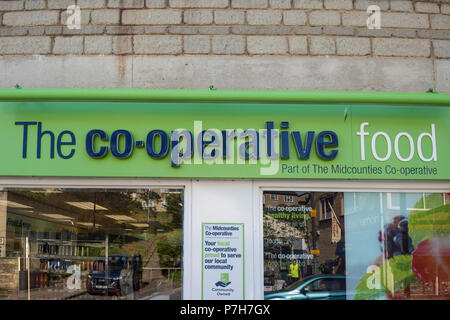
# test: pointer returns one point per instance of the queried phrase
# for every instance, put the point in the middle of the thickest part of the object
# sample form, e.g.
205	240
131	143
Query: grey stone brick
364	4
228	45
404	33
355	18
322	46
98	45
157	44
433	34
248	30
6	31
445	8
280	4
266	45
364	32
294	17
95	4
401	47
197	44
105	16
30	18
401	5
404	20
429	7
54	30
213	30
308	30
229	17
263	17
25	45
328	18
68	45
35	4
89	29
438	21
151	16
11	5
125	4
183	30
441	48
155	29
122	45
125	30
36	31
199	3
298	45
353	46
156	4
60	4
308	4
338	4
339	31
198	16
249	4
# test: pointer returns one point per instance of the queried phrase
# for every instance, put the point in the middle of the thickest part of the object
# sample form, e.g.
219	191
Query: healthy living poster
223	261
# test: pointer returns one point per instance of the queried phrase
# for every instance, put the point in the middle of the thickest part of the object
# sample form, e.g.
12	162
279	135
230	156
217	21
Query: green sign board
224	139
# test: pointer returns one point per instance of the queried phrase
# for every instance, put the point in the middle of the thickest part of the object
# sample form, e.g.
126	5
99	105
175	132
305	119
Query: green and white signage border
131	133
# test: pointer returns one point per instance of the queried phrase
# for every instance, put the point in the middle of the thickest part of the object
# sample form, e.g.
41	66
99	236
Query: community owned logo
224	280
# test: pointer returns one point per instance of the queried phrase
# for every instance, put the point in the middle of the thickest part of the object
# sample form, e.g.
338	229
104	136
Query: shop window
273	196
382	246
92	244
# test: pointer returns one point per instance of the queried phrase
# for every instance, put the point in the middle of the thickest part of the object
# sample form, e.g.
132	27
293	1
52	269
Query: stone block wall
410	29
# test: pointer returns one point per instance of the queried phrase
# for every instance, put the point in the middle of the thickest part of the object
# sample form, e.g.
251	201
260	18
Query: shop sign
224	140
223	261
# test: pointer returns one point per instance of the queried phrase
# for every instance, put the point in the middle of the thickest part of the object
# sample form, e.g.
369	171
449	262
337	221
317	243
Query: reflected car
316	287
122	278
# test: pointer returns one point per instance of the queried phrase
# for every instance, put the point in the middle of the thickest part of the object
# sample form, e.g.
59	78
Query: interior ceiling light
139	225
88	224
86	205
46	191
120	217
13	204
57	216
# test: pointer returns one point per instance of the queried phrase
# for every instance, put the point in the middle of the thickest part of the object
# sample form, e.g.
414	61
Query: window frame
356	186
123	183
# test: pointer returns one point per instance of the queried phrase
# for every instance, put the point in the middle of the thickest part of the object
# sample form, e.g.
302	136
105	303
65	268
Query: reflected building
303	226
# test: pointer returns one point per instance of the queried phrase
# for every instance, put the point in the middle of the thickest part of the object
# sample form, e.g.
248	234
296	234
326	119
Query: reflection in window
288	198
91	244
297	242
326	206
398	246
